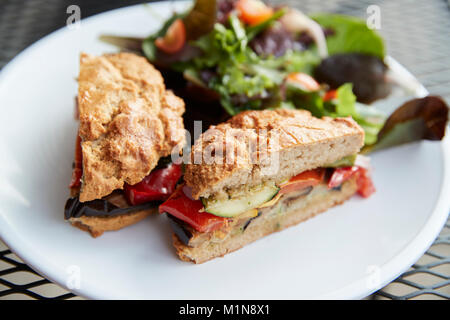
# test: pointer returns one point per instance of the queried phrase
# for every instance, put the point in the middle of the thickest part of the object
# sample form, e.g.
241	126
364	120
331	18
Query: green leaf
351	35
292	61
345	105
149	49
367	117
239	30
422	118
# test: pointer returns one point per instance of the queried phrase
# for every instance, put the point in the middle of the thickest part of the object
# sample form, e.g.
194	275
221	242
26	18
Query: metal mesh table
417	34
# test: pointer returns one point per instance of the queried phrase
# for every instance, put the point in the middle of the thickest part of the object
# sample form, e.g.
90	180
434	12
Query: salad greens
219	56
238	70
351	35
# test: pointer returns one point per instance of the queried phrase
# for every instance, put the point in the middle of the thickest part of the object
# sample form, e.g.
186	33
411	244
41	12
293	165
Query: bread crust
97	225
128	120
301	142
260	228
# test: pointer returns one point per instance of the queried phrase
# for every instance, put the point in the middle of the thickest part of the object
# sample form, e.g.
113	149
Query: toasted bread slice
127	121
287	142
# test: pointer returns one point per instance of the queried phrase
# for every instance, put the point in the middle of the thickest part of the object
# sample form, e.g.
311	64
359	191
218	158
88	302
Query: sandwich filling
210	219
155	188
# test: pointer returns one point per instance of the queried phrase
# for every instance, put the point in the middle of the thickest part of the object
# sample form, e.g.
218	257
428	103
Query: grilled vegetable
101	207
182	206
303	180
235	206
158	185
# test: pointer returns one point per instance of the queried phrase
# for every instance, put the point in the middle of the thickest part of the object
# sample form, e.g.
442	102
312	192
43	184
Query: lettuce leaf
345	104
421	118
367	117
351	34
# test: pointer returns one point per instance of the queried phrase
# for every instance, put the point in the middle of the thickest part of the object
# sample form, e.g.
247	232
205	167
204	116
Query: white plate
347	252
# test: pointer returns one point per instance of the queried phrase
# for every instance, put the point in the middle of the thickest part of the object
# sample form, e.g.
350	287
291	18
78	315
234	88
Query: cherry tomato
304	80
174	39
253	12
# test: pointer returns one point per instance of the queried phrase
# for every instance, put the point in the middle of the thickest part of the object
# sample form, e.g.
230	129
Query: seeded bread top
128	120
270	145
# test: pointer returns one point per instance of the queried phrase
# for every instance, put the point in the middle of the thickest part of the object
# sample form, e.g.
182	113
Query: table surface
416	33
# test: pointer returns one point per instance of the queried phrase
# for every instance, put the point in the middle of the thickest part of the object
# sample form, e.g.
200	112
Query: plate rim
354	290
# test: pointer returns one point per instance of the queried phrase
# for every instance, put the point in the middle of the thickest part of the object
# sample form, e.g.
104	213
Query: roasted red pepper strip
303	180
77	171
158	185
182	206
340	175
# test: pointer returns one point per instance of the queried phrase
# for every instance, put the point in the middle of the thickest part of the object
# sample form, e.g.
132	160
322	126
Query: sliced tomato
77	171
340	175
158	185
182	206
330	95
363	180
365	184
304	80
174	39
253	12
305	179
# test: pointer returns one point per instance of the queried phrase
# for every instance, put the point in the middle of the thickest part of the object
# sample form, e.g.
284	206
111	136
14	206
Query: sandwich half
129	124
261	172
